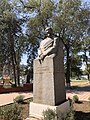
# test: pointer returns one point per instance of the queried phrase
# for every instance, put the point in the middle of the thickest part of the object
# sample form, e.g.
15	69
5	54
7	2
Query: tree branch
25	6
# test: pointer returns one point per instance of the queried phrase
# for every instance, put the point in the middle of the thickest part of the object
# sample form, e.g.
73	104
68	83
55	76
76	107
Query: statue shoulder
56	38
46	41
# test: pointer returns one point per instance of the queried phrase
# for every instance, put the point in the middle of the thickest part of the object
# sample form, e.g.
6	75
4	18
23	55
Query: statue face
48	30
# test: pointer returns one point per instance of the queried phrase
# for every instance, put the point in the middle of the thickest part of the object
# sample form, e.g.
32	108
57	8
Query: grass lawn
79	82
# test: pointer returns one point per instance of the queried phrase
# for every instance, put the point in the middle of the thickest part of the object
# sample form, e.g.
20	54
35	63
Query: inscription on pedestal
42	69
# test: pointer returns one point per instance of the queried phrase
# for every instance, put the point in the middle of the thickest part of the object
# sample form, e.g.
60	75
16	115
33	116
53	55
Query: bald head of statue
49	31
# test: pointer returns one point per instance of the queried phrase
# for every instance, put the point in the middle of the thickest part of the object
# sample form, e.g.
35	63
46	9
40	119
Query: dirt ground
26	109
82	110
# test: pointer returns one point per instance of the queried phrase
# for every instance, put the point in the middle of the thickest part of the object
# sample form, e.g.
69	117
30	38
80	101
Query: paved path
83	96
82	92
8	98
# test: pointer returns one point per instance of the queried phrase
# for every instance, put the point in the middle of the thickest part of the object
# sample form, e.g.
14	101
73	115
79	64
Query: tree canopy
22	25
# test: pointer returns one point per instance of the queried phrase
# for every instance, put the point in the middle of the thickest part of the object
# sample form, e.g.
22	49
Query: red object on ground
26	87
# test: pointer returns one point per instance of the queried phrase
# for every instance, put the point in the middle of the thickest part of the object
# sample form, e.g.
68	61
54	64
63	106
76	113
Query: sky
24	57
86	0
82	0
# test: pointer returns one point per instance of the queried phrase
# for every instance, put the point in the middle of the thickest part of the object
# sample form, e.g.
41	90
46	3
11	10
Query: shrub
31	99
13	85
49	114
11	112
19	99
89	98
75	99
70	101
70	115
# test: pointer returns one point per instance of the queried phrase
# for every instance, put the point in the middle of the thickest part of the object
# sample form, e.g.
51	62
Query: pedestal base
36	110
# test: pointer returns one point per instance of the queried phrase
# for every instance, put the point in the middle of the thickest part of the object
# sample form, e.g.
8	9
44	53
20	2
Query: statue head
49	31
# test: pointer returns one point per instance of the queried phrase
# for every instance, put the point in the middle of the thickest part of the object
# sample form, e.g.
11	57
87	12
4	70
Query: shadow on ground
79	115
78	88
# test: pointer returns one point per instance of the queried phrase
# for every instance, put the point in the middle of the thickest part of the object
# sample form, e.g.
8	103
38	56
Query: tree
10	37
40	14
3	43
71	21
86	49
69	18
76	64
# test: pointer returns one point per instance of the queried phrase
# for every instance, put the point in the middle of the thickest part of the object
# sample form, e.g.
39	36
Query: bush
70	115
11	112
75	99
31	99
70	101
19	99
89	98
49	114
13	85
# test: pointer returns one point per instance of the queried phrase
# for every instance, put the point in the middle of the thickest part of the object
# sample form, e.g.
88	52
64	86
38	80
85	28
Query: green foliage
89	98
76	64
31	99
10	37
75	99
70	101
70	115
49	114
71	23
69	18
11	112
19	99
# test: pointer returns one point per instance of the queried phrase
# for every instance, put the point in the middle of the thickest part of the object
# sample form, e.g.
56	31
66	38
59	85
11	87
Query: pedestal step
36	110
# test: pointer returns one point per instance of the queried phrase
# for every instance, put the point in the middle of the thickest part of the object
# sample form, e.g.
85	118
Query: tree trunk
17	68
86	60
14	69
67	46
28	77
18	75
88	77
11	46
68	69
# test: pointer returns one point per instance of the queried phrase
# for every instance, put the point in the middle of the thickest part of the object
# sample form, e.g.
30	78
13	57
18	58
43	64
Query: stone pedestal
36	110
49	82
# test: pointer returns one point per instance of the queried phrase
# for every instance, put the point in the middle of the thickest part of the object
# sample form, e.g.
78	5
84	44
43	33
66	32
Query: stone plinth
49	84
36	110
